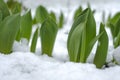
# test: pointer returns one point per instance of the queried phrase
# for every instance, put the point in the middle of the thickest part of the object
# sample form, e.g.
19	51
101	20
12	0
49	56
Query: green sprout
82	37
14	6
114	24
61	20
26	25
41	14
48	32
8	31
102	48
34	41
4	9
53	16
77	12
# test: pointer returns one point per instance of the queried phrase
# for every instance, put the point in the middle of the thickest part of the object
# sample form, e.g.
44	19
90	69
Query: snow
28	66
21	46
116	55
24	65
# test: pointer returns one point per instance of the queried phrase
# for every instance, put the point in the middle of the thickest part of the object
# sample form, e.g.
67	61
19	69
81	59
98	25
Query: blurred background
69	6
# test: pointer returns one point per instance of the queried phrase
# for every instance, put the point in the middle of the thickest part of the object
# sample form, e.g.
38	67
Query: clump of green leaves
81	36
48	32
42	14
114	24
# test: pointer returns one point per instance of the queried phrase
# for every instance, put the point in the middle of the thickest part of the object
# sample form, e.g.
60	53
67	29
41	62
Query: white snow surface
24	65
28	66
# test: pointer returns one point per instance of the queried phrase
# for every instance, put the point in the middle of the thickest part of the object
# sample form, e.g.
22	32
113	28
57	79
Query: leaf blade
9	28
102	48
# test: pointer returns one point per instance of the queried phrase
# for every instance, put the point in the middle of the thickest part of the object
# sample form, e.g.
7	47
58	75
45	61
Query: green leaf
8	31
74	37
26	26
102	48
81	18
117	27
0	16
117	40
75	42
48	34
14	6
115	18
114	25
61	20
34	41
90	46
41	14
34	21
4	9
18	36
83	45
53	16
77	12
112	29
90	31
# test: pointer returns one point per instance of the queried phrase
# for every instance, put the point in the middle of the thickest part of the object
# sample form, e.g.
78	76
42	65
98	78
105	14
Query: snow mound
28	66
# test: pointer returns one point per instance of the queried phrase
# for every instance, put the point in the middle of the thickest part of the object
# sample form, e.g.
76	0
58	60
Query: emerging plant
8	31
61	20
102	48
114	24
48	34
53	16
25	27
82	37
34	41
77	12
14	6
41	14
4	11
